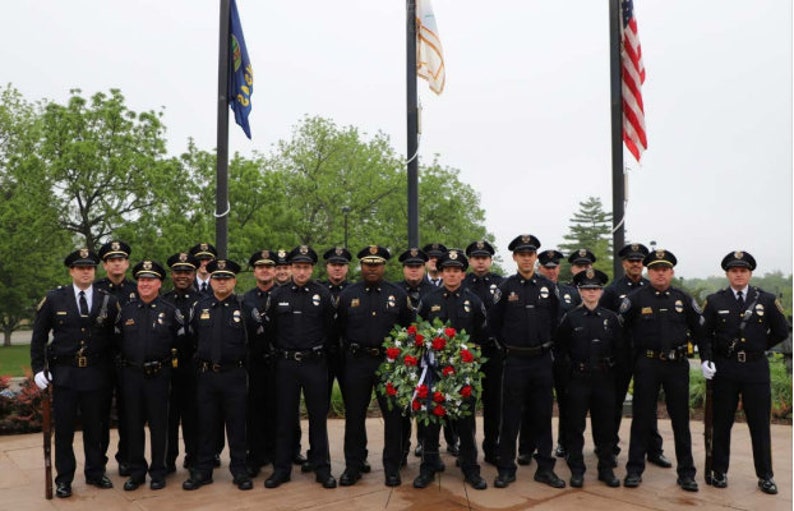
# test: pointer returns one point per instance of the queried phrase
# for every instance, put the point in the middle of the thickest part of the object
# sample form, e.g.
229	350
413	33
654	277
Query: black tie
740	299
203	287
83	304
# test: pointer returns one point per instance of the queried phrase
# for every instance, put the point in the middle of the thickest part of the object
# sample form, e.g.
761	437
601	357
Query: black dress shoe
632	480
719	480
103	482
216	460
299	459
307	467
195	482
424	479
243	482
63	490
276	480
550	478
366	468
609	478
687	483
503	480
393	480
124	469
577	480
476	481
524	459
768	486
157	484
560	451
132	484
327	480
453	449
349	477
660	460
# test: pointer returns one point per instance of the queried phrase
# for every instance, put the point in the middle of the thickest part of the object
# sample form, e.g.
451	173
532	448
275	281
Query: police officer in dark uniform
204	252
588	339
261	430
224	327
659	319
149	329
301	320
115	261
283	272
742	322
78	363
484	283
433	252
523	319
463	309
182	400
631	257
367	312
337	264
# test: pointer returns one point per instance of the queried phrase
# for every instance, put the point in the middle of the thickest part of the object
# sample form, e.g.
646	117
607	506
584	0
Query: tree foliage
591	228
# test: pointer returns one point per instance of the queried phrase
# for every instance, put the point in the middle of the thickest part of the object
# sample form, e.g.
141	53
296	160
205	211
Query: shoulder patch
696	306
497	295
625	305
779	306
43	300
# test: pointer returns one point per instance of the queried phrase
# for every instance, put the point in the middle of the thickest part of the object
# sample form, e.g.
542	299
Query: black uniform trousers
222	399
730	382
623	377
526	385
649	376
114	391
91	404
592	391
358	381
182	410
491	398
464	429
561	369
143	398
261	429
310	376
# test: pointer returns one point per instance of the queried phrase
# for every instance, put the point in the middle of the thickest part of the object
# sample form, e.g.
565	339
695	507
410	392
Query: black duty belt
150	367
744	356
300	356
205	366
678	353
357	349
602	365
77	360
534	351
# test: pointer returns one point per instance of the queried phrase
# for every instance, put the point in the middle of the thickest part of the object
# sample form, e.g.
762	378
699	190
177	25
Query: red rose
415	405
439	411
449	332
421	391
448	371
438	397
439	343
409	360
419	340
412	329
466	356
390	390
466	391
393	353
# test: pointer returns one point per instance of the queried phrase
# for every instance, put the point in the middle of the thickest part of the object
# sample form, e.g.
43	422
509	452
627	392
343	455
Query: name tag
435	308
723	312
355	302
60	313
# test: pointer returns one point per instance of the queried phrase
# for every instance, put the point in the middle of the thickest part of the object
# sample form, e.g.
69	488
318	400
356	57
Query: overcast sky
525	114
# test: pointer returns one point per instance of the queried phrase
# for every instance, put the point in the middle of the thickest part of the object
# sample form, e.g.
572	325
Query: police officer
742	322
658	318
523	319
463	309
283	271
631	257
149	328
78	363
367	312
588	339
433	252
204	252
224	327
483	282
301	320
115	257
182	400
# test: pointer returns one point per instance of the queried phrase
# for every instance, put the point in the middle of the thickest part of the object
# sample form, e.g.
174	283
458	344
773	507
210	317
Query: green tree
591	228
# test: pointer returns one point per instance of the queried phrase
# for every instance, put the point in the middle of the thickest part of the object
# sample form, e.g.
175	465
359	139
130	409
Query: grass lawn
14	360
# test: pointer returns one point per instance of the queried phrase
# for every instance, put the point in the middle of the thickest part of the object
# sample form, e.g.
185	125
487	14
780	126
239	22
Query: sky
524	116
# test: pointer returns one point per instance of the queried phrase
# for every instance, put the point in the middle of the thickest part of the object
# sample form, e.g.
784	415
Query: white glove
42	379
709	369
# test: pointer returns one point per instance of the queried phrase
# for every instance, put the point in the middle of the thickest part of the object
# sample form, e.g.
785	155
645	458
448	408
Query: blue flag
241	74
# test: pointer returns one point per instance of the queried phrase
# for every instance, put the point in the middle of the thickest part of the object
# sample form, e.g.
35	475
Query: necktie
203	287
435	282
83	304
740	299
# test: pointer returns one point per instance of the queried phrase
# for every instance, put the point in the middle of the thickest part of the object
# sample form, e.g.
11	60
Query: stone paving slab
22	483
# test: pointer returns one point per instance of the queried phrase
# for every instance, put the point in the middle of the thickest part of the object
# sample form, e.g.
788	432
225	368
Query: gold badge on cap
303	249
204	246
147	265
550	254
414	252
282	253
480	245
525	238
221	264
373	249
338	251
738	254
266	254
660	254
453	255
635	247
83	253
115	245
182	257
582	252
590	273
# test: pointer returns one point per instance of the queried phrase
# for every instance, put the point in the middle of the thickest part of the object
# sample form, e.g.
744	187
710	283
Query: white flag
429	54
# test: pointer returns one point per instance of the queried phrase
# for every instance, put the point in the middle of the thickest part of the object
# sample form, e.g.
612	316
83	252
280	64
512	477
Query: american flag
633	76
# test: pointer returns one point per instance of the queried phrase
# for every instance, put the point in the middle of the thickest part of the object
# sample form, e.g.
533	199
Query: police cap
81	257
633	252
662	257
581	257
338	255
524	243
203	251
182	261
434	250
222	269
374	254
453	257
480	248
148	268
114	249
302	254
550	258
738	259
282	257
413	256
590	279
262	258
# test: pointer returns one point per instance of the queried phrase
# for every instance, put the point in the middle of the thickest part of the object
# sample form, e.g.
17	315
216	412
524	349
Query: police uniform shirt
589	337
183	300
415	293
203	286
766	324
525	311
619	289
257	299
660	320
335	289
368	312
301	317
125	291
462	308
222	329
149	330
569	297
484	287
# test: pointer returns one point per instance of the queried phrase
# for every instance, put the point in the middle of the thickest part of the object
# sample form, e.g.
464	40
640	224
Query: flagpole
222	161
616	104
413	125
